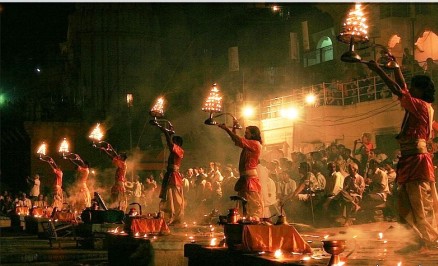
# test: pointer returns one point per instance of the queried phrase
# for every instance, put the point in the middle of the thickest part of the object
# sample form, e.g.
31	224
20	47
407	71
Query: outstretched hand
223	126
373	65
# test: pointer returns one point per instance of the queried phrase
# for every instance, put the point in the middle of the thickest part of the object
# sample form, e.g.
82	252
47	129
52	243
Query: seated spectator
350	196
7	205
334	185
23	201
378	188
40	202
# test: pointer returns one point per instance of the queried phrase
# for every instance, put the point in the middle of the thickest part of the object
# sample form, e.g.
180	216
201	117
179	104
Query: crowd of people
334	184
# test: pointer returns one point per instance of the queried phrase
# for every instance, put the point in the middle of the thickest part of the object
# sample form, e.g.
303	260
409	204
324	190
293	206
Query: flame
158	108
213	242
355	25
96	134
42	149
278	254
380	235
63	148
213	103
305	258
137	234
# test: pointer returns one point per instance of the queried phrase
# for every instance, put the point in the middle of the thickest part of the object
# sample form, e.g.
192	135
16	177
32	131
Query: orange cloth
147	226
273	237
22	210
64	217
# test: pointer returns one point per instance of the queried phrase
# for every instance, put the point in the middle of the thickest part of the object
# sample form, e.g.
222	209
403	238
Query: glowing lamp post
213	104
354	31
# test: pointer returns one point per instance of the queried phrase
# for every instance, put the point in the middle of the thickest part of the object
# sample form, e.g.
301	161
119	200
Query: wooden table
143	225
268	238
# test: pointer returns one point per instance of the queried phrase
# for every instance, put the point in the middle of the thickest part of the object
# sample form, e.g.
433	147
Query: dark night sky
30	30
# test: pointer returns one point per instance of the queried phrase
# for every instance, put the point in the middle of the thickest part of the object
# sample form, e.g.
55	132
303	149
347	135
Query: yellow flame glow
42	149
96	134
64	147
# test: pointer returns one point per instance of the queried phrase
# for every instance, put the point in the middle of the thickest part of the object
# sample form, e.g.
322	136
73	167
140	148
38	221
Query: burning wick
278	254
192	239
306	258
137	234
380	236
213	242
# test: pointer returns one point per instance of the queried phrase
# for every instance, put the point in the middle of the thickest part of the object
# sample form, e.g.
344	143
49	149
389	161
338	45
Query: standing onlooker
415	170
35	189
269	192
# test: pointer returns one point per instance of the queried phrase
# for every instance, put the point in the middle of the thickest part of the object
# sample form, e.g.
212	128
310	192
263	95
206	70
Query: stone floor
367	244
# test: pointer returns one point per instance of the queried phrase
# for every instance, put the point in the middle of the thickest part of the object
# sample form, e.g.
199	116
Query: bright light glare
275	8
310	98
248	112
290	113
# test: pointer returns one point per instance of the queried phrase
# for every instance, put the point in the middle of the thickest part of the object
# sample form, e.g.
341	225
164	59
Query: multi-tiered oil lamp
213	104
354	31
96	135
156	112
42	150
64	148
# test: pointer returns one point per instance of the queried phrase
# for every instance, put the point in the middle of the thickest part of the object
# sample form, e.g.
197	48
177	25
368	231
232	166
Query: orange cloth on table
64	216
22	210
149	226
273	237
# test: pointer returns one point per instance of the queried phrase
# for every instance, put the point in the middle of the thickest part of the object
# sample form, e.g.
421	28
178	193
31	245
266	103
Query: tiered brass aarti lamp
354	31
213	105
157	112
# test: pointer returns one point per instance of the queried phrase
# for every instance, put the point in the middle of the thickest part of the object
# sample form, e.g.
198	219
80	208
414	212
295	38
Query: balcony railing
330	94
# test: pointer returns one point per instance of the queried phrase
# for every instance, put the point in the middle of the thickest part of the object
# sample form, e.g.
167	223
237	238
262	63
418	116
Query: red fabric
174	161
416	126
148	226
83	173
121	169
273	237
249	157
58	177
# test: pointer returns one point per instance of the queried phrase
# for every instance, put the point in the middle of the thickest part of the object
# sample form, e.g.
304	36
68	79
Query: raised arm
76	159
50	161
231	133
108	149
167	135
394	85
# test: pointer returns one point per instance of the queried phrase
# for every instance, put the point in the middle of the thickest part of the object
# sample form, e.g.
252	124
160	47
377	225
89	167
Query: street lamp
129	102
